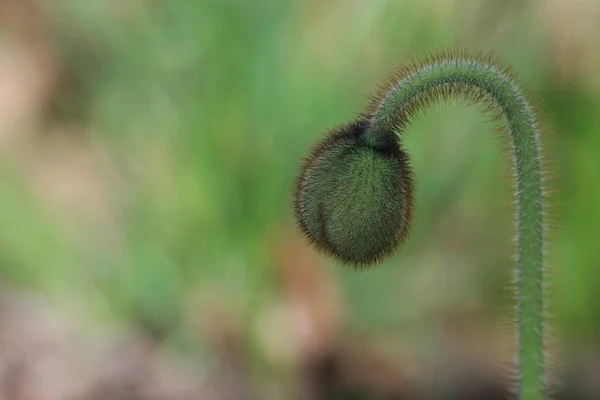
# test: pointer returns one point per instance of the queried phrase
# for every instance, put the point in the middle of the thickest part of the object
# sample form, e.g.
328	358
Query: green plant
353	198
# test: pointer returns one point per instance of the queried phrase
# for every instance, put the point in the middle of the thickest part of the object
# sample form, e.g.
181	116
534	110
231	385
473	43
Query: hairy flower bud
353	200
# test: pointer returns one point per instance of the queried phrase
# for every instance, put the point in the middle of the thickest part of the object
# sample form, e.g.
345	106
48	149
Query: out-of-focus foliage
148	150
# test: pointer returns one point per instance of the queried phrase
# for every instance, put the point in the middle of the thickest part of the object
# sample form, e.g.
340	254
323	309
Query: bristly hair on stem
353	198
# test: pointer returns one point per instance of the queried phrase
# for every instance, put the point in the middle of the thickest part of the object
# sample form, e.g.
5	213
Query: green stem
473	79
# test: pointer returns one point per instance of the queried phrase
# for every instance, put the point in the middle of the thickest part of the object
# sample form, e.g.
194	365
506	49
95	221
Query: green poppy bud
353	199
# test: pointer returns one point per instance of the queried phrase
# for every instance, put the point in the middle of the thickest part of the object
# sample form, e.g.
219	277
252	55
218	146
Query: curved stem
477	80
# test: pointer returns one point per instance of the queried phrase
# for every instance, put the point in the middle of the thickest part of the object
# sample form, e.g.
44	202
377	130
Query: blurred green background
148	149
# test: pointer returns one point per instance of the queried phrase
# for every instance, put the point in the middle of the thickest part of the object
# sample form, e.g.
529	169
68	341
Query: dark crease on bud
353	200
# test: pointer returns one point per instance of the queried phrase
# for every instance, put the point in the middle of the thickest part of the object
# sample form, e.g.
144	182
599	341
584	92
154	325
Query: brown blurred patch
28	66
349	372
217	323
330	364
309	289
462	378
48	354
574	31
581	378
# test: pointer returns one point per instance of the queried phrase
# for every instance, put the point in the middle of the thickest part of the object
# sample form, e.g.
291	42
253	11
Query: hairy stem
476	80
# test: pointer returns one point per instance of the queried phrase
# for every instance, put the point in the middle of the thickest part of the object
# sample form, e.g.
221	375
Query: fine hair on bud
353	198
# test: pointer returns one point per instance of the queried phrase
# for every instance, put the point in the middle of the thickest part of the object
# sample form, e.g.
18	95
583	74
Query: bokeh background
147	154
